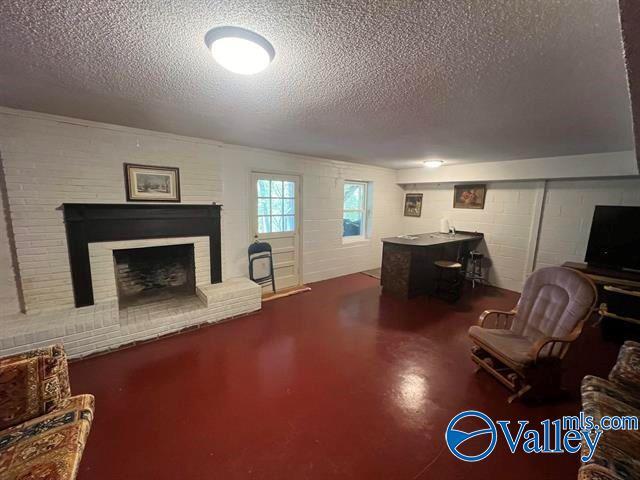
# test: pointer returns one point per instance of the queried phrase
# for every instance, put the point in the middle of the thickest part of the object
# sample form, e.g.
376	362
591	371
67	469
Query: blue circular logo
456	438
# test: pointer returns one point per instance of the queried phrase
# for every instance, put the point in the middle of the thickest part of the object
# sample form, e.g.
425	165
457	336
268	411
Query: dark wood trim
127	180
96	222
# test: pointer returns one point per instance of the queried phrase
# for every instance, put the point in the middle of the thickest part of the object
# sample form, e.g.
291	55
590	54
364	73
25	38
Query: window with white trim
354	214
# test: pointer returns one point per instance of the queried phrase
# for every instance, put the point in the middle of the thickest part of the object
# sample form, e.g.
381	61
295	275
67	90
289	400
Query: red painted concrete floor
337	383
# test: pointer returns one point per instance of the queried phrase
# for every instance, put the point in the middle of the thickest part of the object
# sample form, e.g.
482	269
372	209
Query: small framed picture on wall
413	205
469	196
148	183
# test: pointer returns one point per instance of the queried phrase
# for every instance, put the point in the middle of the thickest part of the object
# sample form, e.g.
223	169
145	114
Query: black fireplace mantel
101	222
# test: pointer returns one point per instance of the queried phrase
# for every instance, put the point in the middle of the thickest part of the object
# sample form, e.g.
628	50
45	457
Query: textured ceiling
384	82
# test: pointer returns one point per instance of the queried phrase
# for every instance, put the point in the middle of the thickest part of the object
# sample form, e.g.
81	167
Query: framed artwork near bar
413	205
149	183
469	196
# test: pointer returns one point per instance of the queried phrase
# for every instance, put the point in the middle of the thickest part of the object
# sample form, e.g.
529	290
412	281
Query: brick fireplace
102	224
138	271
151	269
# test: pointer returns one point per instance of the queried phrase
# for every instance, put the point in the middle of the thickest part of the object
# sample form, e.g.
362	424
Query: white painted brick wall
100	327
324	254
47	163
8	292
52	160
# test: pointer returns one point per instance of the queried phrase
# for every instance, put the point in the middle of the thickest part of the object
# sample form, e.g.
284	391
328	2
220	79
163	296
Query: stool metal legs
475	273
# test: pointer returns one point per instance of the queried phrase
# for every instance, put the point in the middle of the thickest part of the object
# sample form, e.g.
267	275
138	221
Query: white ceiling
381	82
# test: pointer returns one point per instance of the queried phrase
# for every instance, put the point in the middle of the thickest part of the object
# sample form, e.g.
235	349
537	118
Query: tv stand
618	291
606	276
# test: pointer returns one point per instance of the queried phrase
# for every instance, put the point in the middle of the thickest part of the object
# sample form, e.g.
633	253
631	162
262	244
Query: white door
275	219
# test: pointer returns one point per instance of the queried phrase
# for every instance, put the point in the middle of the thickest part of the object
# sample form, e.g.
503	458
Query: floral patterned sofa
616	456
43	429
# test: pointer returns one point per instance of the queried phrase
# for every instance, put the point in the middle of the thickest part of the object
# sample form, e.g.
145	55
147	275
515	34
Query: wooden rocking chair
523	348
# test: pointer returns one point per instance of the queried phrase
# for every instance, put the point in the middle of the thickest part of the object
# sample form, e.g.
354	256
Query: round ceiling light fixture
433	163
239	50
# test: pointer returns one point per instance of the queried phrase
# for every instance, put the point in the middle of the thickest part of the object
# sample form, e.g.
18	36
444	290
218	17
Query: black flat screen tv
614	241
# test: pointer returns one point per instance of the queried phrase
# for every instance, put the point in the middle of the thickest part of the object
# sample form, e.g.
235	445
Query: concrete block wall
568	212
509	221
505	221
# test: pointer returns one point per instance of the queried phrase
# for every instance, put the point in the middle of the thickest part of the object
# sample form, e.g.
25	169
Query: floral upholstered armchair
616	457
523	348
43	429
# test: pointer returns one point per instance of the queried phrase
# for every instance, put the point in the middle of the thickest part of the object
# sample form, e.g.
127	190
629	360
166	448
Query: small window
354	217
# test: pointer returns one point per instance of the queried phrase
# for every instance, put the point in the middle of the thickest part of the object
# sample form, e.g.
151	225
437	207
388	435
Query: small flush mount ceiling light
433	163
239	50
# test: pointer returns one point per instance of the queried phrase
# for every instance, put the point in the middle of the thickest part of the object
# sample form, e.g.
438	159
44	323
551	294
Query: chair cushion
617	450
508	344
597	472
626	371
553	301
447	264
628	396
32	384
48	447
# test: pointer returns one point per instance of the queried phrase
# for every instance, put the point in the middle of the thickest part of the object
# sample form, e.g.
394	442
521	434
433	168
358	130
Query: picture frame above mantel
151	183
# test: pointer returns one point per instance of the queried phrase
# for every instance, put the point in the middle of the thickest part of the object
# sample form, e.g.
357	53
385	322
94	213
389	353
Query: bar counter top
433	238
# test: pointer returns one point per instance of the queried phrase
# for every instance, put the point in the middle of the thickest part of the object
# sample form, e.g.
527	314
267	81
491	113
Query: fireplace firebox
151	274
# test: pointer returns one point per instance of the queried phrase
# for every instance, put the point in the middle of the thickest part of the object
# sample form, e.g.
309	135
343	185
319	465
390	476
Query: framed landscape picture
469	196
147	183
413	205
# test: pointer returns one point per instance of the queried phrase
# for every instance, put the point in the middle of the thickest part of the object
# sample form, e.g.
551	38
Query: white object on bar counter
444	225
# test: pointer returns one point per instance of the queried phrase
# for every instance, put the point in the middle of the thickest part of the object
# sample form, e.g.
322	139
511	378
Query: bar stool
474	268
449	280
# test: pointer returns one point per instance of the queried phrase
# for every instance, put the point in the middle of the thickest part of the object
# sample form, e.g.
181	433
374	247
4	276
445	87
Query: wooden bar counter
407	263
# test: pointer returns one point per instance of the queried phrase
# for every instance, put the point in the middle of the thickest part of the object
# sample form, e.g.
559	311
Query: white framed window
354	211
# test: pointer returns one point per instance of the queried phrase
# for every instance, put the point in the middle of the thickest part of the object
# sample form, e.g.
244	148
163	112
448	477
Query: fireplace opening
152	274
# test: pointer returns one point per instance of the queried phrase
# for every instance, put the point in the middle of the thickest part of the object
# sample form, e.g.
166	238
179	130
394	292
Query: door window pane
264	207
276	189
263	188
264	224
276	206
289	223
289	189
289	206
276	224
